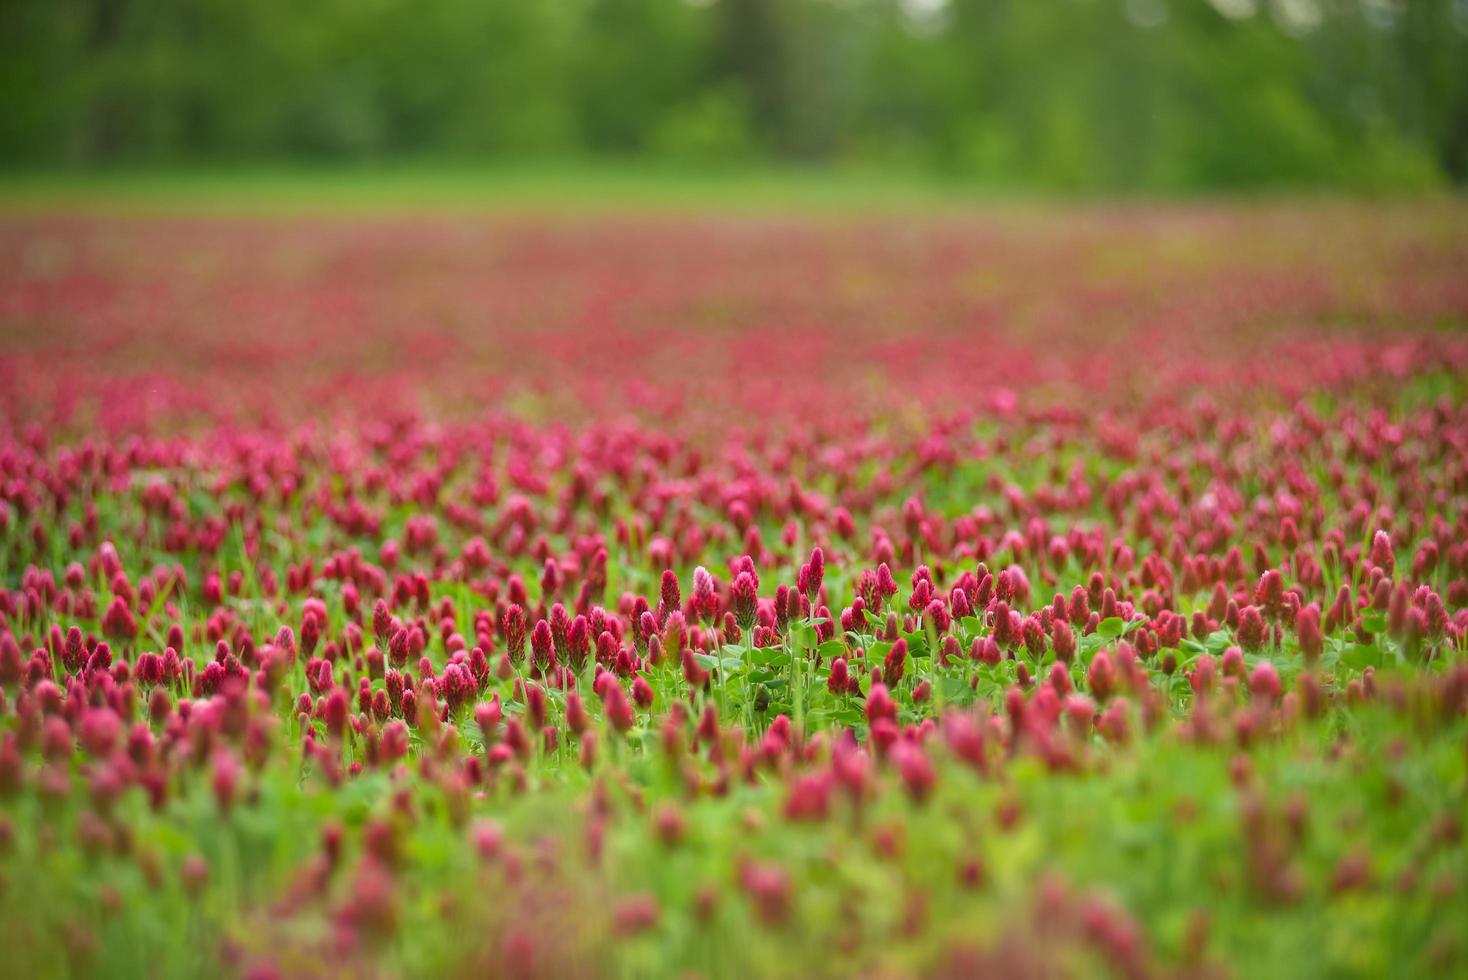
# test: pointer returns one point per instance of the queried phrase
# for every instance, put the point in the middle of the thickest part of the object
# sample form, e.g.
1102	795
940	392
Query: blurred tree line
1070	94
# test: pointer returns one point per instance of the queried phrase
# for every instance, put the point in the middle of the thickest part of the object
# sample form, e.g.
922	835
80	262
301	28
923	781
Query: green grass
562	186
436	187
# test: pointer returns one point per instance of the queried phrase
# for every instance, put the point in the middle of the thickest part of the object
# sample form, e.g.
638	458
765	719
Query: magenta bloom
542	647
895	663
1101	676
1308	633
1264	681
744	598
514	630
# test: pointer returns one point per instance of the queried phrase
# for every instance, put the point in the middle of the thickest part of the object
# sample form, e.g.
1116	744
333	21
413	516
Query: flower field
1039	593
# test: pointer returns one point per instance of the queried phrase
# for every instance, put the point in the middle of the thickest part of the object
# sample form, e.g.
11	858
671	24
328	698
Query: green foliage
1047	94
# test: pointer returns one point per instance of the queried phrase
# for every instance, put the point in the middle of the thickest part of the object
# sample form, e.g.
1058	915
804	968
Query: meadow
934	589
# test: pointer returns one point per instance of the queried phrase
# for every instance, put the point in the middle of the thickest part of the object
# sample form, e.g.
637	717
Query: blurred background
1071	96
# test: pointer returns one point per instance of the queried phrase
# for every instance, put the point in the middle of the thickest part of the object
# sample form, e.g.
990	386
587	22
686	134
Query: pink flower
769	891
1264	681
1064	641
99	731
514	630
635	914
894	664
880	704
577	719
1308	633
812	574
915	768
542	646
382	625
1269	594
744	598
670	599
225	781
1382	555
1101	676
618	709
705	598
1251	631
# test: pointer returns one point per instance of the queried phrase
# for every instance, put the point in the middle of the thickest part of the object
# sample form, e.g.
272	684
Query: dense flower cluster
725	614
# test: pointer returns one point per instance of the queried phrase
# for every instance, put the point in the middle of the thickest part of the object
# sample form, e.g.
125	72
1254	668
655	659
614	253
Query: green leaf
832	649
769	656
1111	628
802	634
1218	641
1359	656
877	652
917	643
956	689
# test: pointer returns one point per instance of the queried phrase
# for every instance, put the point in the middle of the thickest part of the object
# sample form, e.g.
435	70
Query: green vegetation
1048	95
426	187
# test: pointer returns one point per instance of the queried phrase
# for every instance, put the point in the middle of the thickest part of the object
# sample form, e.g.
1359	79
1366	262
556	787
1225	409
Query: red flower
836	681
915	768
542	646
895	663
1264	681
880	704
743	597
769	891
1101	676
1251	631
514	630
1382	555
618	709
1308	633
